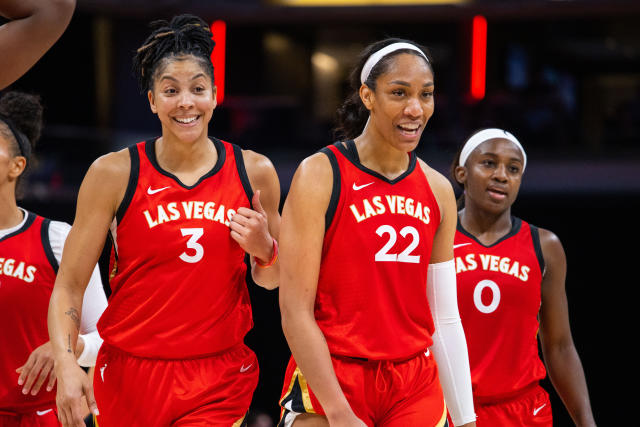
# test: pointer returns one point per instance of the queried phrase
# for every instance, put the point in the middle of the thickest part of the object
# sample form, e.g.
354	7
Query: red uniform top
499	298
178	289
371	300
27	273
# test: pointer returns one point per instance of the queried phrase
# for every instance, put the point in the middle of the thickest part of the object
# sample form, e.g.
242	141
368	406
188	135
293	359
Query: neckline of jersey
351	154
30	218
150	150
516	224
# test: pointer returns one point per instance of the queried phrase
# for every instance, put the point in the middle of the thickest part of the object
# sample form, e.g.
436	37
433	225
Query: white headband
485	135
376	57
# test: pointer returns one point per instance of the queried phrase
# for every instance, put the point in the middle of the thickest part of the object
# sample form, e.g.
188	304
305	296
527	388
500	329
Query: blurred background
562	75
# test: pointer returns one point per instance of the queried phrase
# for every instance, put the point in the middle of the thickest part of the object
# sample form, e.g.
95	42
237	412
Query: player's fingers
77	419
242	215
237	237
25	369
257	206
91	400
62	415
52	380
238	228
44	373
33	376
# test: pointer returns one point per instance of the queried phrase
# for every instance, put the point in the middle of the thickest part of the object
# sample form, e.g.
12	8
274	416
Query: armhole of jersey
131	185
46	244
242	172
535	236
335	190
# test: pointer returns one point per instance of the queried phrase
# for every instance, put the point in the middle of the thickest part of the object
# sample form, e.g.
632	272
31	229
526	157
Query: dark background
563	76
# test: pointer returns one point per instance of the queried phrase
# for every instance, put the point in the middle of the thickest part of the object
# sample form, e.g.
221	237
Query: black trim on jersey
30	218
150	150
242	171
351	153
516	223
335	190
535	236
295	396
46	244
131	185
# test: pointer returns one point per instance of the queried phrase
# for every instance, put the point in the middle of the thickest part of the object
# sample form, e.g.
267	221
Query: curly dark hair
352	114
25	113
184	35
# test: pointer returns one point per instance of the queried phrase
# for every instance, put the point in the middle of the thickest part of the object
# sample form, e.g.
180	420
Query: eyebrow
403	83
167	77
491	153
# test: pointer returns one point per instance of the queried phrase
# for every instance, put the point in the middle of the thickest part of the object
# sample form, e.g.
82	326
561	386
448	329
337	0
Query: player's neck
180	158
10	214
487	227
380	156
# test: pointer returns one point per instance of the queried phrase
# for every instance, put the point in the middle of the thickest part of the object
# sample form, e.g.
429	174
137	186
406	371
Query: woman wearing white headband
511	283
367	279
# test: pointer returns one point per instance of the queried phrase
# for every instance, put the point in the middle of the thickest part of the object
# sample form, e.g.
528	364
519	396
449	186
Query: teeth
409	127
185	120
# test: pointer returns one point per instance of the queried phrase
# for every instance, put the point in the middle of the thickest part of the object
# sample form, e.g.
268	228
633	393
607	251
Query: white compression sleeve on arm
92	343
449	343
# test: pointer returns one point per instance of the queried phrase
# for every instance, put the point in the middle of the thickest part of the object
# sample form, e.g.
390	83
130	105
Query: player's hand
250	228
347	419
35	371
73	386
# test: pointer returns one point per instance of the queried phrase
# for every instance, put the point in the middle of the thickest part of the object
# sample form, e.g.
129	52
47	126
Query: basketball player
182	209
33	28
511	283
30	251
368	283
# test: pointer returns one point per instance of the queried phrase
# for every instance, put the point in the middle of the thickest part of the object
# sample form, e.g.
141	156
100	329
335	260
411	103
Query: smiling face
402	102
184	97
492	175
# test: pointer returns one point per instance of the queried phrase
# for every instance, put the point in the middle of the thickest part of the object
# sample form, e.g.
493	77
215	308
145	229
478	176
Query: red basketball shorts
381	393
209	391
531	408
46	417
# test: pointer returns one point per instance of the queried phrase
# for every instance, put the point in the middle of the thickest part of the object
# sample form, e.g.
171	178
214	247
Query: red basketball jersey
371	300
27	273
178	287
499	298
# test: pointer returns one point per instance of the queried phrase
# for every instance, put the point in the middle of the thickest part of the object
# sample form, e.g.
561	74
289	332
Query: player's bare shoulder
108	176
440	185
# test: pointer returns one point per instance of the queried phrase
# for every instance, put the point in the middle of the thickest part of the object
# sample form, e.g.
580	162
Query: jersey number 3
404	256
192	244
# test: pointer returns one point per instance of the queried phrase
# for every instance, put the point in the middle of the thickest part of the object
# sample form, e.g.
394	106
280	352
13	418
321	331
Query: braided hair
184	35
352	114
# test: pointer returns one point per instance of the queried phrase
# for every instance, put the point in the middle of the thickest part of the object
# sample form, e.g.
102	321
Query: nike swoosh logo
243	369
102	371
157	190
41	413
460	244
360	187
535	411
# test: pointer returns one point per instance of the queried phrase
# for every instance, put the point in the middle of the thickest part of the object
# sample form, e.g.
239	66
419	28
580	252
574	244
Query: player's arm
449	343
560	355
301	240
39	364
34	27
256	230
101	191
